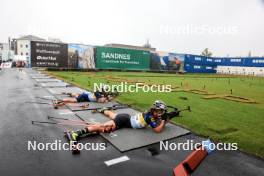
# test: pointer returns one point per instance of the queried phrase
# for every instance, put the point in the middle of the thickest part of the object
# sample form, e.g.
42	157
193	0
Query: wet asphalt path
16	130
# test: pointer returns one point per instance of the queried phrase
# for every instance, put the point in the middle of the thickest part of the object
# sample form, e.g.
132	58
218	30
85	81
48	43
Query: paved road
16	130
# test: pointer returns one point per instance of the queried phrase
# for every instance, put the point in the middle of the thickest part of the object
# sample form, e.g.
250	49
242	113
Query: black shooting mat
92	105
60	90
127	139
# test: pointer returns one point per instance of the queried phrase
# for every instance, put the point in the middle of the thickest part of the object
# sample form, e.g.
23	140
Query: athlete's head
158	108
98	95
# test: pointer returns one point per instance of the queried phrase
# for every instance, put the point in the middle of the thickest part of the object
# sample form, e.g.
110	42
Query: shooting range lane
92	105
48	80
37	75
127	139
60	90
92	117
41	77
54	84
16	130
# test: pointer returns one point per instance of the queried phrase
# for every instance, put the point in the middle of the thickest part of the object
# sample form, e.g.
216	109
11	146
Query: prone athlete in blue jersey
156	117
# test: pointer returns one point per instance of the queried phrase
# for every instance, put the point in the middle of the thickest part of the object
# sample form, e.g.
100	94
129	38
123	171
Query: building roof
31	38
116	45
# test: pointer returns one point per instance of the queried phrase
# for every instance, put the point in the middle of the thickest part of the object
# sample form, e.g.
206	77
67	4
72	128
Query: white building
237	70
23	46
5	52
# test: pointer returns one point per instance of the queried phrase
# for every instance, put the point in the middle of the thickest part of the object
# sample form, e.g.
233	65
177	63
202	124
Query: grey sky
171	25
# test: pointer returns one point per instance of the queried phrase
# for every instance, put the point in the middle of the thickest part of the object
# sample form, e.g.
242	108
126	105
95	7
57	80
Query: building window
21	46
208	68
235	60
258	61
26	53
197	58
26	46
209	60
196	66
21	54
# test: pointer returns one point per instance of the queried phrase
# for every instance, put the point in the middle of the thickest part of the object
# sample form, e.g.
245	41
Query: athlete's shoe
57	102
71	135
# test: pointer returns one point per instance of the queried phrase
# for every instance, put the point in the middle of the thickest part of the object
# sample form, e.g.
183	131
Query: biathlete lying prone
97	96
156	117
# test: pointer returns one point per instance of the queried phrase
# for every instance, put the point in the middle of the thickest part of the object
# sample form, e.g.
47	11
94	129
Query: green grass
221	120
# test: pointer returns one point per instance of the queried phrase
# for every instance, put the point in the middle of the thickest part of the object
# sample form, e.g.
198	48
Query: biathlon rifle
174	113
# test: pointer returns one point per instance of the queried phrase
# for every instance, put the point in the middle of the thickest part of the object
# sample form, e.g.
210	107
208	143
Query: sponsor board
47	54
119	58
